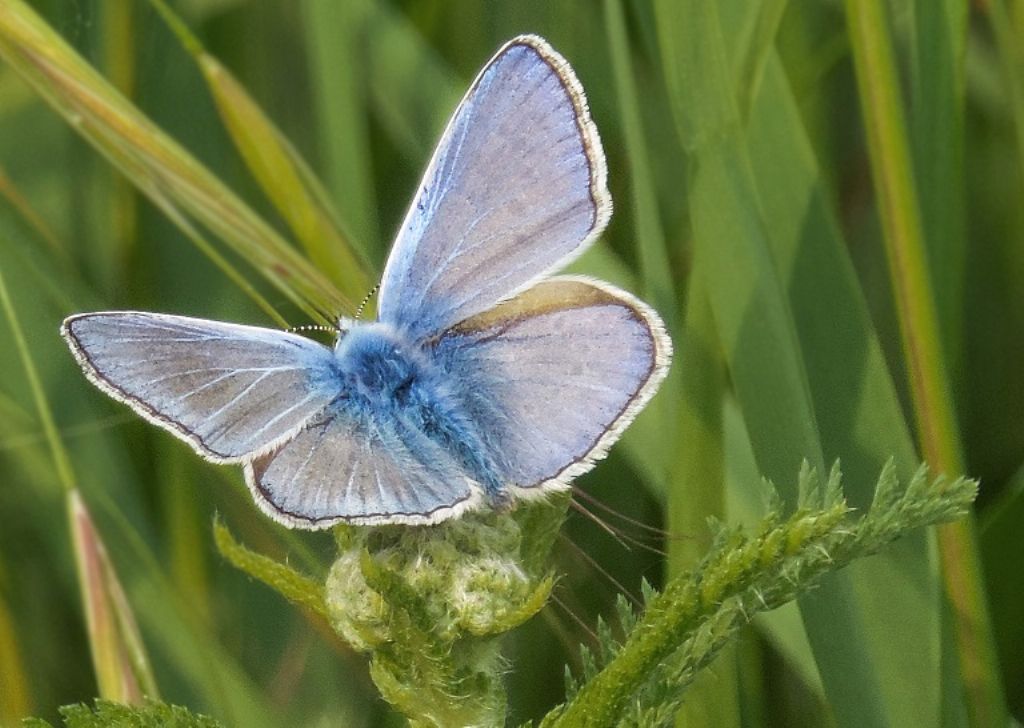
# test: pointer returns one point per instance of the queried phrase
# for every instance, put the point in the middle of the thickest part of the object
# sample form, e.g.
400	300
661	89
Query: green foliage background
754	208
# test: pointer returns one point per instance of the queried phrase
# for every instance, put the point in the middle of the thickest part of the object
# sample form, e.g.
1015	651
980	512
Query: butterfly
484	379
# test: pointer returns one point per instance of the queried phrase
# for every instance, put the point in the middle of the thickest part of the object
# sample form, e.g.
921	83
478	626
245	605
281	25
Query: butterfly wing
553	376
230	391
343	470
516	187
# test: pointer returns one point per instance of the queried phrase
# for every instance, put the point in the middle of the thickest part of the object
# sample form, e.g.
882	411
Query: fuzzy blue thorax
399	389
379	367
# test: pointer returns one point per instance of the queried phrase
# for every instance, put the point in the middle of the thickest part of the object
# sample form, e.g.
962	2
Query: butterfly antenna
618	534
366	300
312	327
597	503
592	562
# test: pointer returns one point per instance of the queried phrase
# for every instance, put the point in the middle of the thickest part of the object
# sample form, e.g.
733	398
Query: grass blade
117	221
122	667
1000	534
334	33
1007	49
119	657
697	491
281	172
904	236
755	45
858	413
919	327
781	363
655	275
160	167
183	637
731	247
61	462
15	694
937	136
412	89
655	267
287	181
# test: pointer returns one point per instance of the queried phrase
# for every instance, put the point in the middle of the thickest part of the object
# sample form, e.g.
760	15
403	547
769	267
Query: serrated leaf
109	714
678	635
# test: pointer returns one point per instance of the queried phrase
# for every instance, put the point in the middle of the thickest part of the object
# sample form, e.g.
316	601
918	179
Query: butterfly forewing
516	187
231	391
553	376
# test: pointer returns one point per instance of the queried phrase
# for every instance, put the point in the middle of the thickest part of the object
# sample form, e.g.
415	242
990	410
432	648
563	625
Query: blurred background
745	212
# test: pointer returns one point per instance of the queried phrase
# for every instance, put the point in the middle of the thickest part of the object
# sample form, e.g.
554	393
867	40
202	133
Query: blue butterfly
483	378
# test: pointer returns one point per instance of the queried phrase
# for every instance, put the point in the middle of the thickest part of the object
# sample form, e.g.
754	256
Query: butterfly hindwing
553	376
340	469
516	187
230	391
